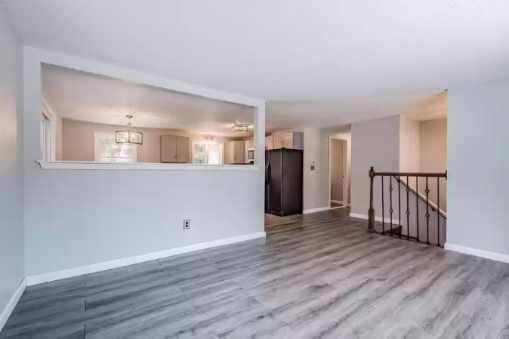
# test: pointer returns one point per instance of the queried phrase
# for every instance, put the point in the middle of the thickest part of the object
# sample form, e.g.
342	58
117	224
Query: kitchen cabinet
250	143
289	140
235	152
269	142
175	148
183	149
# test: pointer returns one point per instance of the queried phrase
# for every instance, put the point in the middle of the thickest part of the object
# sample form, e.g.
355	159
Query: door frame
346	188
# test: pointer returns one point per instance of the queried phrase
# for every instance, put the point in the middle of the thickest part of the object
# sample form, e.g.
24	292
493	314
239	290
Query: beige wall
410	145
79	141
433	145
433	153
423	148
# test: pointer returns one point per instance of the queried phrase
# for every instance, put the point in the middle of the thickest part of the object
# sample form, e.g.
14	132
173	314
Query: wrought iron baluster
399	206
407	209
427	211
428	235
390	200
383	207
371	211
417	205
438	210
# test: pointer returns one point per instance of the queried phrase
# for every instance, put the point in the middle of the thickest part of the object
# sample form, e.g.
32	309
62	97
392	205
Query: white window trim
48	114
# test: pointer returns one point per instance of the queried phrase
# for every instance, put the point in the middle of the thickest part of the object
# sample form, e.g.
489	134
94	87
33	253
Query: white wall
374	143
81	217
11	223
433	155
478	167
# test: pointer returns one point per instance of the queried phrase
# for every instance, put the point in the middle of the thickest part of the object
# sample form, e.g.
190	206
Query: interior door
338	170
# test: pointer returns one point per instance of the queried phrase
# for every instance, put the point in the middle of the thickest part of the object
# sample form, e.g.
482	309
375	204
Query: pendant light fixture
242	127
129	135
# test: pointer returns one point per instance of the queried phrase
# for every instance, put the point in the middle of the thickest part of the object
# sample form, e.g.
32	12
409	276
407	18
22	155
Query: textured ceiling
302	55
285	49
420	105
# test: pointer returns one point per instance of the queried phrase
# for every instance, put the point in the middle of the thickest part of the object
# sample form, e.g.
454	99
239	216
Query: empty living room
254	169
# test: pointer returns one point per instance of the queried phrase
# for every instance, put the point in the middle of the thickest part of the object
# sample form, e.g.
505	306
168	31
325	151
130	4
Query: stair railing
413	223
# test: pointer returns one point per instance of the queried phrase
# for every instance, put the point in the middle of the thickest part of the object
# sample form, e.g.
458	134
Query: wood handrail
410	174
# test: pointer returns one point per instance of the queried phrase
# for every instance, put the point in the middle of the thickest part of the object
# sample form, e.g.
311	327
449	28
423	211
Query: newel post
371	212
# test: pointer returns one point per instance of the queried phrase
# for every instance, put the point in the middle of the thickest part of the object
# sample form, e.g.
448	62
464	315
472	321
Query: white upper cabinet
291	140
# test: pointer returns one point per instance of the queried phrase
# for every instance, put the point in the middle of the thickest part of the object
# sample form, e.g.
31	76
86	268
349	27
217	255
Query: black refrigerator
283	181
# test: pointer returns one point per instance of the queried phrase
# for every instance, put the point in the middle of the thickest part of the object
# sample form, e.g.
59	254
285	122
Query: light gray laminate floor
329	279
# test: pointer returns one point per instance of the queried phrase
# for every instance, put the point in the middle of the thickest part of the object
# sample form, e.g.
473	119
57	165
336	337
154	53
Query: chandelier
129	135
242	127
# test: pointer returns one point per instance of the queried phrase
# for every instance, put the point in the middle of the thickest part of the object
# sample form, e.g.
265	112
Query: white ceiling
88	97
419	105
294	52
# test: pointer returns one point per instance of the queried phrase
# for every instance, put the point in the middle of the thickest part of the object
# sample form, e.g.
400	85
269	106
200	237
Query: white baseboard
359	216
107	265
314	210
477	252
6	313
377	218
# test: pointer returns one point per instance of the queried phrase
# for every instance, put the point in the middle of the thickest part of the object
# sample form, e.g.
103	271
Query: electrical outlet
186	225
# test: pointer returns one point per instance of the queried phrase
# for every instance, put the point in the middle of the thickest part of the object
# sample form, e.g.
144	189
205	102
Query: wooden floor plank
327	278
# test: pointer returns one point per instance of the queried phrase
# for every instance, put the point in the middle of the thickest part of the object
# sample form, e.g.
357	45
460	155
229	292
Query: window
47	138
107	150
162	127
207	152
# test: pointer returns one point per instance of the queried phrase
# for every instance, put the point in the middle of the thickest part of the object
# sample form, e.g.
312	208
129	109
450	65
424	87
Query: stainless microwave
250	155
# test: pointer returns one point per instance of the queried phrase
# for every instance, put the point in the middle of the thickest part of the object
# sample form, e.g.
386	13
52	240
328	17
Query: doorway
339	172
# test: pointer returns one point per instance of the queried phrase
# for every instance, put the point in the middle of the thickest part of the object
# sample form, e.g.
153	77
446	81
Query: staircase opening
405	212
